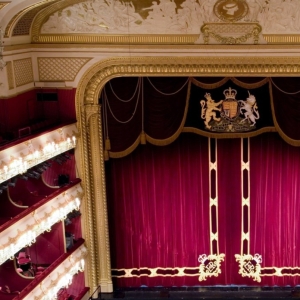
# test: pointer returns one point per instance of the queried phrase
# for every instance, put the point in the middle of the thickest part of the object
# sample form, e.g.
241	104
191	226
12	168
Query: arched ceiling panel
169	22
22	16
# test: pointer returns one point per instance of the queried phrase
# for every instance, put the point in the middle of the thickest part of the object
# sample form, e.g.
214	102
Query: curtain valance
156	110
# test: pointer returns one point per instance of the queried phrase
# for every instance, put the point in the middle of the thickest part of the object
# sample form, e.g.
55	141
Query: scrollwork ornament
210	265
193	66
250	266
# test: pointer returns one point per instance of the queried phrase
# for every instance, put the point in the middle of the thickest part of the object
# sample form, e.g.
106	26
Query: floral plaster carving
167	17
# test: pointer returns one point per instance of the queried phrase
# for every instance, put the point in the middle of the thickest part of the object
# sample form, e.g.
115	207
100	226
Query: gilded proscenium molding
95	217
90	232
60	68
97	150
96	77
103	215
16	18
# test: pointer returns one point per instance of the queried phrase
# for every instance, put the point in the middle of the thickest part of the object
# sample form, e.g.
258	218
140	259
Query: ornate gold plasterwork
17	17
23	24
228	33
116	39
60	68
100	73
88	206
23	71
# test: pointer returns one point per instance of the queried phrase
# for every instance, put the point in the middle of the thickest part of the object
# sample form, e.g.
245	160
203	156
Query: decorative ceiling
139	21
171	16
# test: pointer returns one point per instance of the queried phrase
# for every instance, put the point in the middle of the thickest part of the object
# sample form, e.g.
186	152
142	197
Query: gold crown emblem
230	93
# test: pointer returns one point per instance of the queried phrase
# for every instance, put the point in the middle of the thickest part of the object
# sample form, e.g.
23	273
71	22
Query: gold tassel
143	138
107	144
106	156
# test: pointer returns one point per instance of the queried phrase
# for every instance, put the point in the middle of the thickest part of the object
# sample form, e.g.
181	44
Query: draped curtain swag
156	110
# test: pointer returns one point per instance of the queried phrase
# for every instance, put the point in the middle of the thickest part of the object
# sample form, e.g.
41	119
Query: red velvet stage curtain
158	206
275	207
229	208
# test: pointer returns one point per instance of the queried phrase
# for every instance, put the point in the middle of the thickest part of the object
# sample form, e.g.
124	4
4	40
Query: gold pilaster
96	216
87	206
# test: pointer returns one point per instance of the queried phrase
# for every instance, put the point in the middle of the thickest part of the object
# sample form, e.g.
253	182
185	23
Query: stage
228	292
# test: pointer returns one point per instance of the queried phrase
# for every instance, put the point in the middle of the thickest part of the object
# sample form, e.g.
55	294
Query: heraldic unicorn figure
208	112
249	109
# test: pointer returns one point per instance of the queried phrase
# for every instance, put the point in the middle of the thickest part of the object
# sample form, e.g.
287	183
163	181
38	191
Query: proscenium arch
89	124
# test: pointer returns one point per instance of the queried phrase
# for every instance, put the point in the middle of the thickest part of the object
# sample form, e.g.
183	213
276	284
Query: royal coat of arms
229	114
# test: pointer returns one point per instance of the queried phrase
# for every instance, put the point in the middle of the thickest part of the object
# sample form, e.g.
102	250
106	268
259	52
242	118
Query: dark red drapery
159	201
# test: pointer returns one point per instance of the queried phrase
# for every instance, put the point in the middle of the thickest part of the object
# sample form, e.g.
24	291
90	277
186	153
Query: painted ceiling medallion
231	10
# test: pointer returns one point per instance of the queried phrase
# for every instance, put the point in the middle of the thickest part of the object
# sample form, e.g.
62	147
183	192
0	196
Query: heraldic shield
229	114
230	104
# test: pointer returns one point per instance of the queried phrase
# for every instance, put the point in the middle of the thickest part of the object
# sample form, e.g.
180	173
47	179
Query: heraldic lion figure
208	112
249	109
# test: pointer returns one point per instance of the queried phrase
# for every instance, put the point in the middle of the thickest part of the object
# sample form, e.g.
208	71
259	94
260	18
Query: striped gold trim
282	38
115	39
